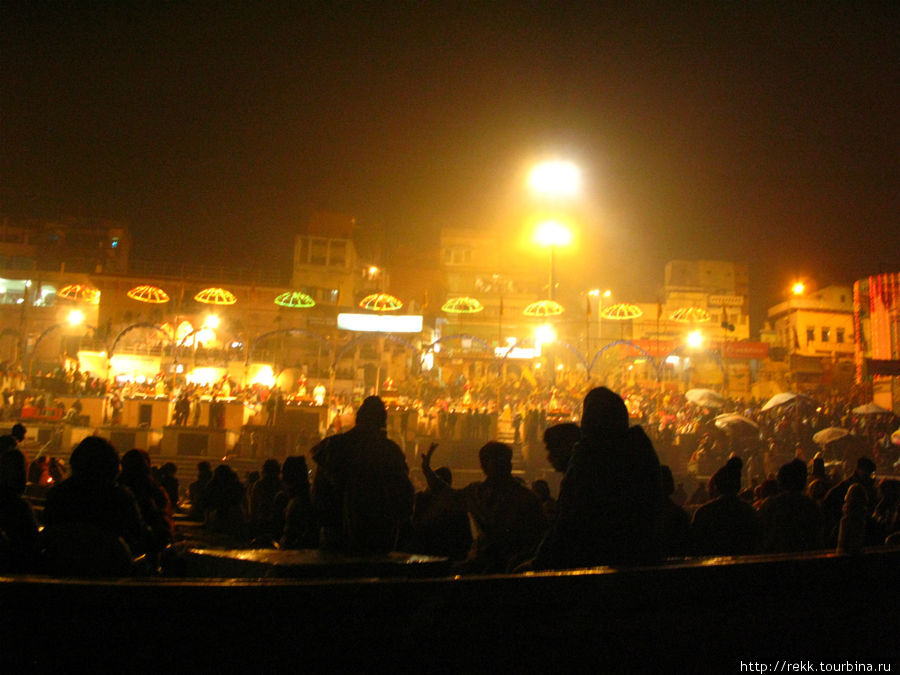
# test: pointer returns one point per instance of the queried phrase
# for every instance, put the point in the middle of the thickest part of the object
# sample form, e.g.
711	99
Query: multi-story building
815	330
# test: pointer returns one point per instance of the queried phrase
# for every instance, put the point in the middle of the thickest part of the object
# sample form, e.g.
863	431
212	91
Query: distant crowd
617	504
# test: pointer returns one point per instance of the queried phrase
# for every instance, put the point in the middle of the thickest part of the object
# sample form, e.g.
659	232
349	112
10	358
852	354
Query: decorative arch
286	331
623	342
135	326
365	337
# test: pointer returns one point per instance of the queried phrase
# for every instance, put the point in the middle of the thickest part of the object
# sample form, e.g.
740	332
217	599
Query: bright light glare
798	288
594	292
212	321
552	233
544	334
607	293
555	179
695	339
76	317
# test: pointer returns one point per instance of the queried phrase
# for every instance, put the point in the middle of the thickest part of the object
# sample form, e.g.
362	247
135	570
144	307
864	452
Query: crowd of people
617	504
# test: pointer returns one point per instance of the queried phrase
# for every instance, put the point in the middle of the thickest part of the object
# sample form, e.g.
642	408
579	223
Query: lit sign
380	323
517	352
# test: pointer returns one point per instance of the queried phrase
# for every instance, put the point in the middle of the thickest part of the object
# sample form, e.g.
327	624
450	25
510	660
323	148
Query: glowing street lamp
544	334
695	339
552	233
799	288
76	317
555	179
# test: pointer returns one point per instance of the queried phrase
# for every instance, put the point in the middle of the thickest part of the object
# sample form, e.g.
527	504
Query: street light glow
544	334
553	233
76	317
798	288
555	179
695	339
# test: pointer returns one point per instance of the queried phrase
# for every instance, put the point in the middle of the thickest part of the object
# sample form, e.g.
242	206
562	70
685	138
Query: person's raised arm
435	483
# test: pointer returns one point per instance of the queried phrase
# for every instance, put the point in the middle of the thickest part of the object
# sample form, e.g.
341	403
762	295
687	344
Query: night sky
758	132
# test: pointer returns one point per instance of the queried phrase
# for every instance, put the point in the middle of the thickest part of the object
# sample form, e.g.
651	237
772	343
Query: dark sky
757	132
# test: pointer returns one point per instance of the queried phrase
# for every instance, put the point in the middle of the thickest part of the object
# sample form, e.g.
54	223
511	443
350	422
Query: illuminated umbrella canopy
295	299
152	294
690	315
543	308
462	306
215	296
380	302
79	292
621	311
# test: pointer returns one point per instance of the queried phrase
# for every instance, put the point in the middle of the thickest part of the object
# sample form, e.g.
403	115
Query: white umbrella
829	434
736	424
705	397
781	399
871	409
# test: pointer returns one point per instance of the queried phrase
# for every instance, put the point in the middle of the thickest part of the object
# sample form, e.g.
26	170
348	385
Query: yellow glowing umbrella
295	299
380	302
215	296
462	306
543	308
621	311
151	294
80	292
690	315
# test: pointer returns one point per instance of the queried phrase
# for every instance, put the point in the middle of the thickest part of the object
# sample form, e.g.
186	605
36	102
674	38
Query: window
826	333
337	254
839	336
457	255
318	252
810	334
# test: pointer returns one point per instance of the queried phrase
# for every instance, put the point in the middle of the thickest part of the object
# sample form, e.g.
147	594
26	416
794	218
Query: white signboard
380	323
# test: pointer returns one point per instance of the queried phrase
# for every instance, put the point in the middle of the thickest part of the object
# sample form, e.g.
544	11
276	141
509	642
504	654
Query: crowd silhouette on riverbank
617	504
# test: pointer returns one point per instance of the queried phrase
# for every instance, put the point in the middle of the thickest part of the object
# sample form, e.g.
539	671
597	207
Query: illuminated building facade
876	313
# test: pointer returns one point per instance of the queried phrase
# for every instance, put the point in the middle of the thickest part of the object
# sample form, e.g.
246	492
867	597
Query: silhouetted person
505	516
560	440
833	504
223	504
727	525
197	490
89	511
294	503
265	524
152	499
169	482
791	521
541	489
610	500
440	523
675	530
18	528
362	493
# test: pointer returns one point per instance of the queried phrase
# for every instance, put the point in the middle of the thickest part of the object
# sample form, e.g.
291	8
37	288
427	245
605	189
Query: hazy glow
212	321
380	323
544	334
798	288
76	317
555	179
264	376
205	376
553	233
695	339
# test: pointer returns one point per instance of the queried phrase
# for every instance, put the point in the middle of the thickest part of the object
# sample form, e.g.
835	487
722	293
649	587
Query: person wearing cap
727	525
